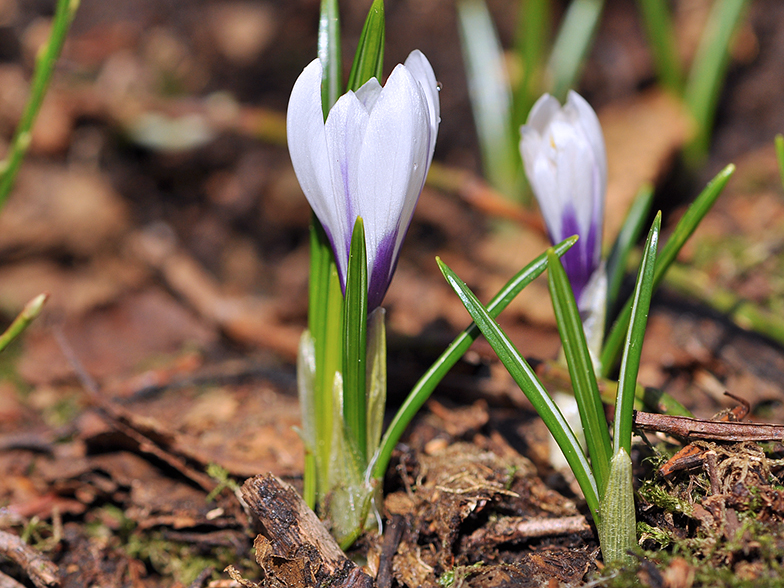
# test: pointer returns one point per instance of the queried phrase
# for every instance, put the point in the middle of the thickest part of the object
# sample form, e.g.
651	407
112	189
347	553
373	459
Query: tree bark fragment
296	550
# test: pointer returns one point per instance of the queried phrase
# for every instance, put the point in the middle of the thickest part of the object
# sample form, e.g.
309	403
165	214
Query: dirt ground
159	209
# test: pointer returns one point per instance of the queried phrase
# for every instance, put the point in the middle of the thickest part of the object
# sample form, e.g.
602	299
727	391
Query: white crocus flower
566	164
369	159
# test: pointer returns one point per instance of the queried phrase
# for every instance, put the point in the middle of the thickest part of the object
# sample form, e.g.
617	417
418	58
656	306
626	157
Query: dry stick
9	582
392	536
509	529
297	546
688	429
42	572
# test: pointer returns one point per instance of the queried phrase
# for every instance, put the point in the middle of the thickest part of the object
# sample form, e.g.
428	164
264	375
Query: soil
158	208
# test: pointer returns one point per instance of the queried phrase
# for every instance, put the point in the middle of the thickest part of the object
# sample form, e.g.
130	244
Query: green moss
457	574
657	494
176	560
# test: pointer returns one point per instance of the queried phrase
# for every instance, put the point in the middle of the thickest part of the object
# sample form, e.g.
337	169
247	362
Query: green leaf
532	42
44	67
572	45
325	316
491	97
29	313
369	59
624	242
661	37
581	371
682	232
709	70
318	282
350	494
780	155
435	373
329	53
329	363
529	383
618	529
355	340
630	363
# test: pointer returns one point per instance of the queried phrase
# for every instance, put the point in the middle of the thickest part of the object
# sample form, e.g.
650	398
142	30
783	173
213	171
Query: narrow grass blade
682	232
572	45
525	377
369	59
661	37
29	313
630	363
491	98
578	359
780	156
709	70
355	341
531	44
624	242
44	67
318	282
329	53
435	373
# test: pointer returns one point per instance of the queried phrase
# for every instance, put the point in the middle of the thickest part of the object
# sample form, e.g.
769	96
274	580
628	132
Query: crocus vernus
566	164
369	159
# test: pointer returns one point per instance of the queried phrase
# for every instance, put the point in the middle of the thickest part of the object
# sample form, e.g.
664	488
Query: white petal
308	144
345	133
575	163
593	304
542	112
394	160
423	73
542	175
589	122
368	93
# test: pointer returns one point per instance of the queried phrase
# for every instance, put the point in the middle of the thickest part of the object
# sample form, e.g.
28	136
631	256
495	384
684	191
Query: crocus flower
566	164
369	159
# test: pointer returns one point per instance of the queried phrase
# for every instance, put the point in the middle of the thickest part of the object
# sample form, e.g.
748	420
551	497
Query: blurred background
158	207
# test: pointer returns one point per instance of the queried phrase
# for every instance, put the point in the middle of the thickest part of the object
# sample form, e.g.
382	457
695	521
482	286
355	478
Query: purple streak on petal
579	262
382	270
344	191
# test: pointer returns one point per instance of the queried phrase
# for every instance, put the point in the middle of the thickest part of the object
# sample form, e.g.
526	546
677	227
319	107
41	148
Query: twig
392	536
688	429
510	529
42	572
9	582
